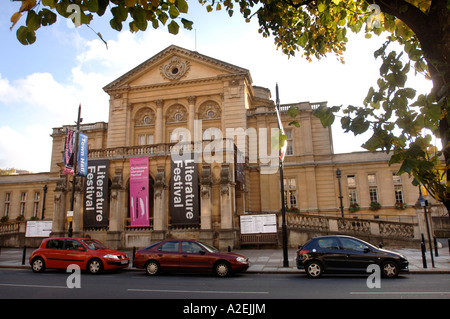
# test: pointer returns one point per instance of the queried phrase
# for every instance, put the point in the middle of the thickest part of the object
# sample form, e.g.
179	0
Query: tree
316	28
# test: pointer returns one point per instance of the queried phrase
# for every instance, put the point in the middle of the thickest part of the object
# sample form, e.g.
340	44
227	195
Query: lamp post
283	206
424	204
75	158
338	175
43	201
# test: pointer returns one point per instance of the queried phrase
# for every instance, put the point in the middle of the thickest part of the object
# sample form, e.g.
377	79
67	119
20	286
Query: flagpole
75	158
283	206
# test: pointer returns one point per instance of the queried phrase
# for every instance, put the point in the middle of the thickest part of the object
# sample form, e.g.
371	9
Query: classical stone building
144	185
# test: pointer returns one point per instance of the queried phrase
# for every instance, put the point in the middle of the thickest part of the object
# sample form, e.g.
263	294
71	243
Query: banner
184	192
96	194
139	208
82	163
68	151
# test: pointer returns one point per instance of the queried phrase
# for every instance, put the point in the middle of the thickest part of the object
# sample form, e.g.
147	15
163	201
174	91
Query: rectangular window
352	196
373	193
352	192
398	194
289	146
23	198
290	192
37	197
373	190
7	203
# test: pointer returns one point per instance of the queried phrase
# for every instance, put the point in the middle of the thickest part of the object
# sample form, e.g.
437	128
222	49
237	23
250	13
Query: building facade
187	150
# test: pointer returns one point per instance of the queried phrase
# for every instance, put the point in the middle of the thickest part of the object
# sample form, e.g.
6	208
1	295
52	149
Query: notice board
38	228
256	224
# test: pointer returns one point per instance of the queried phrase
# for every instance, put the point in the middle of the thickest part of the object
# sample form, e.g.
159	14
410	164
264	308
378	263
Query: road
22	283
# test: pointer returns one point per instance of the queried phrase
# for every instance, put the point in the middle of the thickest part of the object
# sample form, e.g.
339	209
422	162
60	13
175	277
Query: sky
42	85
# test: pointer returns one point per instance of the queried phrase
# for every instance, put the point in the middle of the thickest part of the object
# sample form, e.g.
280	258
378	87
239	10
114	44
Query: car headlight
241	259
111	256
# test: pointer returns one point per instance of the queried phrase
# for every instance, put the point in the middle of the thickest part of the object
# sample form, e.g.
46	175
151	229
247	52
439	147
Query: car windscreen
93	244
209	248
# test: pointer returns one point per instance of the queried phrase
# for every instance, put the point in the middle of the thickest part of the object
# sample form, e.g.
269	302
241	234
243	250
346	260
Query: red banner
139	200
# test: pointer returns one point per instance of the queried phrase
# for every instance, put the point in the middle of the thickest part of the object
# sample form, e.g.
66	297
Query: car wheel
389	269
95	266
314	269
38	264
222	269
152	268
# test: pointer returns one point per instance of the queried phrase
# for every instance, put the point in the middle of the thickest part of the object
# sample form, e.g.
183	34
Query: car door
358	254
194	257
168	254
52	253
75	253
329	250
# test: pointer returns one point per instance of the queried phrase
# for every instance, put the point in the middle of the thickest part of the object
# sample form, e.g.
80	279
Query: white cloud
28	149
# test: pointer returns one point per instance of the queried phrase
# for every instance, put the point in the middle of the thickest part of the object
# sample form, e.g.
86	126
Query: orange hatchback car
188	255
89	254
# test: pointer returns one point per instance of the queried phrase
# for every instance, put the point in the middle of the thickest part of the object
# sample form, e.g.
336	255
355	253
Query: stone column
59	210
191	116
226	232
77	225
205	193
159	122
159	208
117	202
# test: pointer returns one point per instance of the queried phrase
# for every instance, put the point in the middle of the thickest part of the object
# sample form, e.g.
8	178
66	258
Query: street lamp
338	175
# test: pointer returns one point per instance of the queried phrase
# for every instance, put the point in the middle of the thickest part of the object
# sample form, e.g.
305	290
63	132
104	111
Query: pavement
267	260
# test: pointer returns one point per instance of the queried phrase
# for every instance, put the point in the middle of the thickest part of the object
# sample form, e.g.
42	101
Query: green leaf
93	5
173	12
187	24
33	20
116	24
47	17
182	6
25	36
173	27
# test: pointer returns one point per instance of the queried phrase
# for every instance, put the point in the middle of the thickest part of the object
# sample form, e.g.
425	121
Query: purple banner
139	201
68	152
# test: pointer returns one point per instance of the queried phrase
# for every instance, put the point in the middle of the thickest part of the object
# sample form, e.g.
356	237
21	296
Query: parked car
188	255
331	254
89	254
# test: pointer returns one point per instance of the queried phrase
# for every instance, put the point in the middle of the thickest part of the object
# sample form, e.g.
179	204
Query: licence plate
124	262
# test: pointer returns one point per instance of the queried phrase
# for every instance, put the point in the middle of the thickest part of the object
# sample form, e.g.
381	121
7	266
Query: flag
82	155
68	151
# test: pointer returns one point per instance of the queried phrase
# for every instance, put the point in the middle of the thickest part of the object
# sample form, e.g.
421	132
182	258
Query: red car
188	255
89	254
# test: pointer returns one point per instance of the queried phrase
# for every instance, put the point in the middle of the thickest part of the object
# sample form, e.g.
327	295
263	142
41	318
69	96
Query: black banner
96	194
184	191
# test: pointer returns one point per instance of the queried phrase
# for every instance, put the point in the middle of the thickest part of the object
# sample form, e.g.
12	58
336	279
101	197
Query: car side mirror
81	249
202	252
366	250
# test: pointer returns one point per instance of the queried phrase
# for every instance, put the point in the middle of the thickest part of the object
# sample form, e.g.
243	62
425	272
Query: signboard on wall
139	192
96	194
38	228
256	224
184	190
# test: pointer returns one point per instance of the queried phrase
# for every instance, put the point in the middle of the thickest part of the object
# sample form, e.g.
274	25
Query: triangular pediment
175	65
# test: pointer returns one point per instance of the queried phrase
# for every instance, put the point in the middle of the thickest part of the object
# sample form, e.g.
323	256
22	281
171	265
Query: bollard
24	254
436	252
423	249
448	241
134	254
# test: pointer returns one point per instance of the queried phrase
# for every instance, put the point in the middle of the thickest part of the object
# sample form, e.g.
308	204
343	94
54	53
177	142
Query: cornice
168	52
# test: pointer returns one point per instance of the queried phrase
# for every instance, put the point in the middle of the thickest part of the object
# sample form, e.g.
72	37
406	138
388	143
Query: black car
332	254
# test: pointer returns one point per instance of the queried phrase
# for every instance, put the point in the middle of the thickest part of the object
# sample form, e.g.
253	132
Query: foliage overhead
394	113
